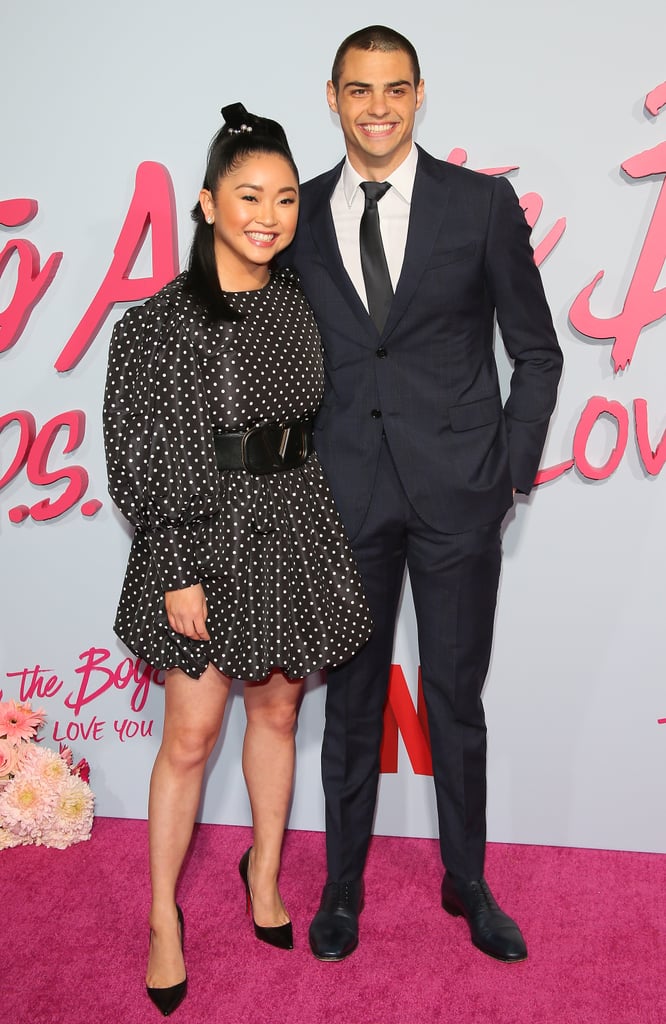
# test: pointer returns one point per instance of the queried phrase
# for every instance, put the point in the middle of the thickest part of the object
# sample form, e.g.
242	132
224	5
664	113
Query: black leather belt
268	448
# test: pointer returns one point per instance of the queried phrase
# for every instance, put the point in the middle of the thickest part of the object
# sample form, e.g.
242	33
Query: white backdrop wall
576	699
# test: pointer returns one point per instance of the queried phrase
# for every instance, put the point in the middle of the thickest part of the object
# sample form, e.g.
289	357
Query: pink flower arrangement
19	721
44	798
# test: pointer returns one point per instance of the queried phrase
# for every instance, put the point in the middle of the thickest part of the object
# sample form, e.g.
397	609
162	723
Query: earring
210	220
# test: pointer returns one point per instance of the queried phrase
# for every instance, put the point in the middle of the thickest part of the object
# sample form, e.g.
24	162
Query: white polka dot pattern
280	581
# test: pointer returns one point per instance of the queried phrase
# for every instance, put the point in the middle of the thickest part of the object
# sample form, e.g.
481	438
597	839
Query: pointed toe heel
281	936
169	999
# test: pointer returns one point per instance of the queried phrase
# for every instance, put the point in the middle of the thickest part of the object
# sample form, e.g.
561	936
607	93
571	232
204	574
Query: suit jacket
429	381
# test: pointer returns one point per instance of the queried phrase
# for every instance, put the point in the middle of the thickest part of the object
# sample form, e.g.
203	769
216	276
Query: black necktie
378	287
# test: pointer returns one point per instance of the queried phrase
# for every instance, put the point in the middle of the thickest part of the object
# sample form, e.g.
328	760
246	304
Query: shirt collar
401	179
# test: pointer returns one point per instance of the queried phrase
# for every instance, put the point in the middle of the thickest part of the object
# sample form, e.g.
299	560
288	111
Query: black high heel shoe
168	999
282	935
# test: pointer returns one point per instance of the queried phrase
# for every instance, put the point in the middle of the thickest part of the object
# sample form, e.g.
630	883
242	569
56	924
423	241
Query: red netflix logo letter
400	714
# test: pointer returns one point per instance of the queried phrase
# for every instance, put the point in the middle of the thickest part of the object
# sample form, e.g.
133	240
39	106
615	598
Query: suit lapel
430	199
325	240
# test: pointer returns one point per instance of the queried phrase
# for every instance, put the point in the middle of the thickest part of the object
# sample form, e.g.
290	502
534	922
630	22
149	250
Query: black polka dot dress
270	552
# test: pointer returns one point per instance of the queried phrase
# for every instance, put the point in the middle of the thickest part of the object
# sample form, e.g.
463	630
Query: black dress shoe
492	931
168	999
334	928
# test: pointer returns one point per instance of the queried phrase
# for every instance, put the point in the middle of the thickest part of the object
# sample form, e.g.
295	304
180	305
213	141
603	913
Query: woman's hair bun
237	119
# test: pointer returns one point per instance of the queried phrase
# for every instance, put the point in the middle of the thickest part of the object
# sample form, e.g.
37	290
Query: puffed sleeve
158	439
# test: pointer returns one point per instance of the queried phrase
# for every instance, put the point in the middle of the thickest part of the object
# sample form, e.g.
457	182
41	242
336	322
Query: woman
239	567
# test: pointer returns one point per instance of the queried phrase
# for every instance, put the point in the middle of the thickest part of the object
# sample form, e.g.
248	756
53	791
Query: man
406	281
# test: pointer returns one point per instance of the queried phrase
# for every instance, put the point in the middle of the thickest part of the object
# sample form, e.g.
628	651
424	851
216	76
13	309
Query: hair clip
236	119
238	131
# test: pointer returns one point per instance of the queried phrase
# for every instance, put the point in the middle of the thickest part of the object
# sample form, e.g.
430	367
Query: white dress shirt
347	205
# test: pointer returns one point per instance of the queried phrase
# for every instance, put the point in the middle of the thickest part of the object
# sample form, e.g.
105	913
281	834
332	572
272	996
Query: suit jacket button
381	353
376	414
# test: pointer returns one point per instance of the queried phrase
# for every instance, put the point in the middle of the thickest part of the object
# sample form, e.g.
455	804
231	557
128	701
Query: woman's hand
187	611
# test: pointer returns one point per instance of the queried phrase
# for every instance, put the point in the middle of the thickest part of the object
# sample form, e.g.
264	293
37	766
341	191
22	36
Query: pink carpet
74	937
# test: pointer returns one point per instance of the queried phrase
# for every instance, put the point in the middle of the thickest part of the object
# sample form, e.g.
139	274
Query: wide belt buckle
270	448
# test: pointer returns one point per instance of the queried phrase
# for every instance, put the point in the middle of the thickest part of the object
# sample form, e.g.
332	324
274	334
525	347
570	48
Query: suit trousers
454	580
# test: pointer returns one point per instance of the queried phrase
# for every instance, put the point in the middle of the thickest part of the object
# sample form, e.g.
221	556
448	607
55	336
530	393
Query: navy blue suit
422	458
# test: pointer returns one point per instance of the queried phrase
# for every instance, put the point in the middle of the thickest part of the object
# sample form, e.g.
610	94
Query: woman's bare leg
268	766
194	709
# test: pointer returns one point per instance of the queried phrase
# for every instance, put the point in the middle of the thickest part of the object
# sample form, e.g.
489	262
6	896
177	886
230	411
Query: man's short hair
375	37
